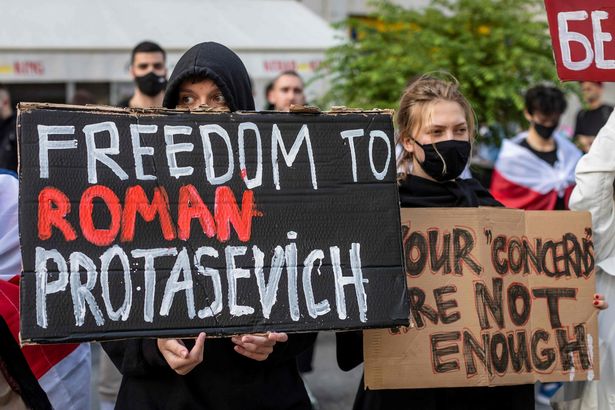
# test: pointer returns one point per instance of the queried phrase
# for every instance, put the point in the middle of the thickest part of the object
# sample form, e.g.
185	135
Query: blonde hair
415	108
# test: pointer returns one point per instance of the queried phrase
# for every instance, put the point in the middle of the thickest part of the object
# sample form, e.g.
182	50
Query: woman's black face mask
445	160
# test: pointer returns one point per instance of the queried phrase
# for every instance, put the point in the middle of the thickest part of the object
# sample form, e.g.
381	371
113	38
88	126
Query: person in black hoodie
436	128
247	371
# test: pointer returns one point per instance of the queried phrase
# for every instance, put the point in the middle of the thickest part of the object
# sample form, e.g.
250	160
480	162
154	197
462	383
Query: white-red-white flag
524	181
62	370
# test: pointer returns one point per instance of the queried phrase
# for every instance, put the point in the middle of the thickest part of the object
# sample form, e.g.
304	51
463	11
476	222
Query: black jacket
417	192
225	379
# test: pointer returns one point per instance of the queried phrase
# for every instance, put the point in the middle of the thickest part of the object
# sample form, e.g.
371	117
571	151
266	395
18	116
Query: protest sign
582	37
497	296
168	223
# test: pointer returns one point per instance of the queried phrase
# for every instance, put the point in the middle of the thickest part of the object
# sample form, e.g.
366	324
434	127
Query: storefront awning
73	40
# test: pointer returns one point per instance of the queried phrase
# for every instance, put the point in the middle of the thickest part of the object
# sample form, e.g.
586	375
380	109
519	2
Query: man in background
149	72
286	90
535	169
592	119
8	133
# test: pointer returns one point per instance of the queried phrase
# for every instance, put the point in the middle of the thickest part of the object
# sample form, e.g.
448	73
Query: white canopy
76	40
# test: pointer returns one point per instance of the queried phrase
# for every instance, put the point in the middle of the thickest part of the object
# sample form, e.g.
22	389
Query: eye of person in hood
193	94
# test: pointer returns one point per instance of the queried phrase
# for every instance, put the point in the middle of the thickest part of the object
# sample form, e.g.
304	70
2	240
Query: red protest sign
582	38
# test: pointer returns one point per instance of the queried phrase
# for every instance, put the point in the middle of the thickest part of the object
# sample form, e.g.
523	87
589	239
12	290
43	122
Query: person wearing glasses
149	72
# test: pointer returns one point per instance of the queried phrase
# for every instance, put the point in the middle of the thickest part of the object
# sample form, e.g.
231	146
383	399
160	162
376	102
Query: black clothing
225	380
125	102
550	157
448	398
17	373
8	143
305	359
589	122
222	66
417	192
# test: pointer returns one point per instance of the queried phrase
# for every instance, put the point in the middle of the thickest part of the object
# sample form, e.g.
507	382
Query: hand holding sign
179	357
599	302
258	346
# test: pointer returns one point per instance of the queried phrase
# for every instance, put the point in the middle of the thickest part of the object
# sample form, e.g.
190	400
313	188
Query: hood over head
221	65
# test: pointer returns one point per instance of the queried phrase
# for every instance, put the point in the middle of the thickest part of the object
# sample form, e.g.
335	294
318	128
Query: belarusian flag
524	181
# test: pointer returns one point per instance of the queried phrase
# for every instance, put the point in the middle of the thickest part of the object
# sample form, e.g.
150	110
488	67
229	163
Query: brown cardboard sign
165	223
497	297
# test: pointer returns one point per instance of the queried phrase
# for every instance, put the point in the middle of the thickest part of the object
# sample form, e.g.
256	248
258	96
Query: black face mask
455	155
544	132
151	84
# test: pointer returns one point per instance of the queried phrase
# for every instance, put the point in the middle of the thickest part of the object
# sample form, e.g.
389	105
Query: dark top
225	380
417	192
8	143
589	122
550	157
125	102
221	65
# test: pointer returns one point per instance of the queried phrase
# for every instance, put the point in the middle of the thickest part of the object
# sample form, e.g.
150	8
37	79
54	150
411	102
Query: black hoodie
225	380
221	65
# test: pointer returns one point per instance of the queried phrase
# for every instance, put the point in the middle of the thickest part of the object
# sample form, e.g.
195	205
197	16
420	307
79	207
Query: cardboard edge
25	107
217	332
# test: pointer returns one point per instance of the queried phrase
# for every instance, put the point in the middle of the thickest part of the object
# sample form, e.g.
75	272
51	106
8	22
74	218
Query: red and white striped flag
62	370
524	181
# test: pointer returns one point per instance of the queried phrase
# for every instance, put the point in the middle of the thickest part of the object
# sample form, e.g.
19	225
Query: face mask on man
454	154
592	98
151	84
544	132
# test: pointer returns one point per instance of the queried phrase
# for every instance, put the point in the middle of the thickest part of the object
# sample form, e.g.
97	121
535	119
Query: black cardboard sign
166	223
